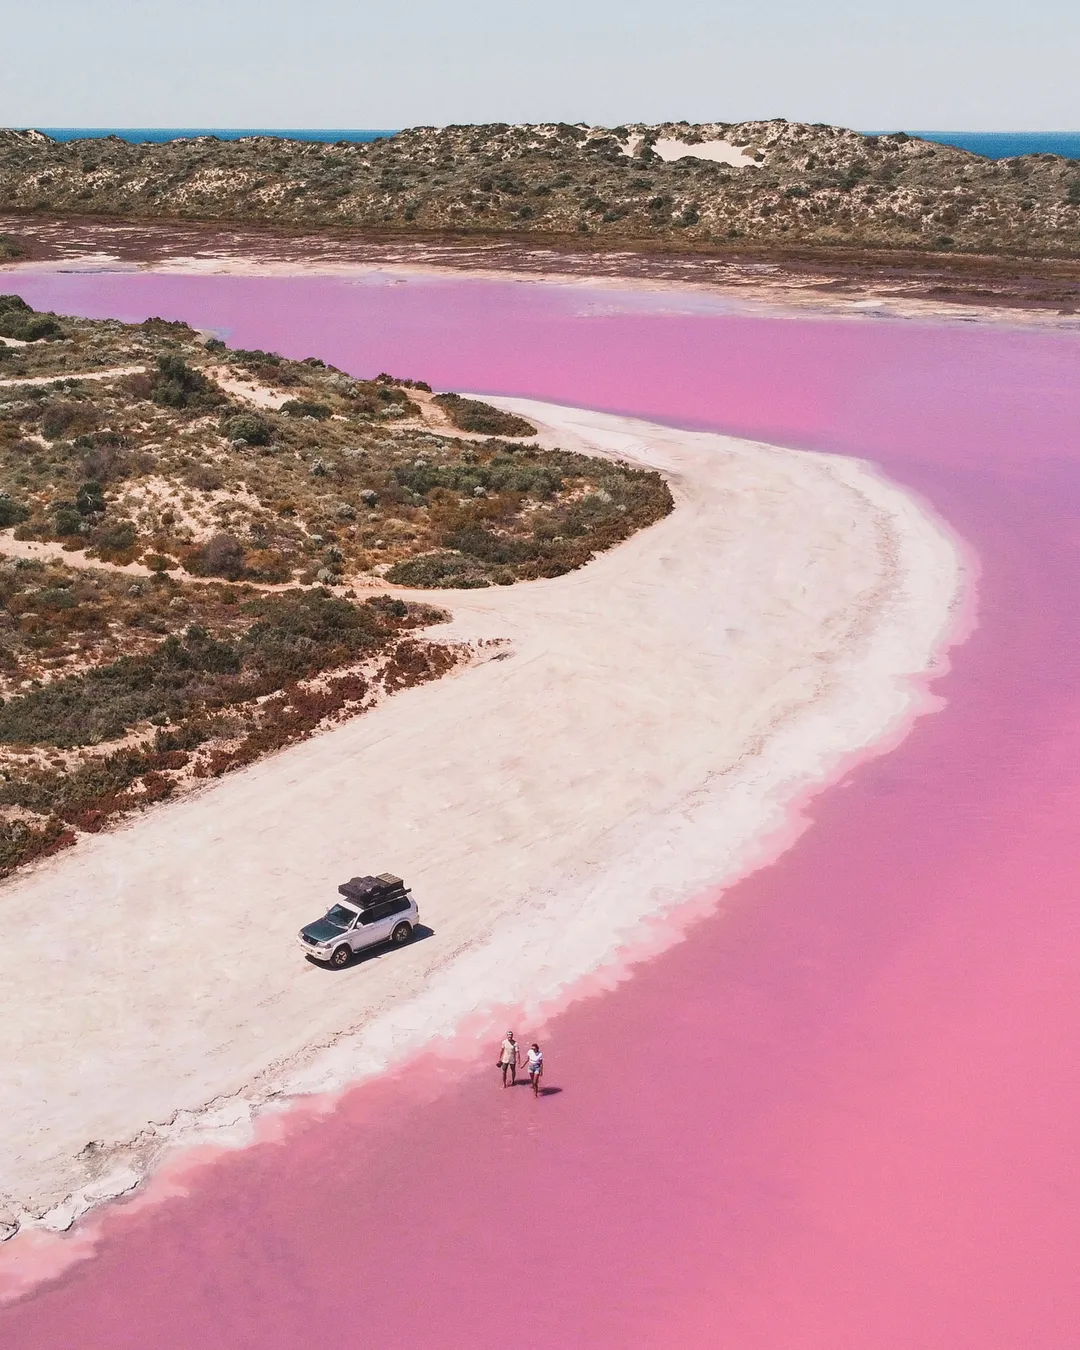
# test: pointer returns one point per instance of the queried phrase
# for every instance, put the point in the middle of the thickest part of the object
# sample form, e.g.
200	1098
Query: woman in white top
536	1068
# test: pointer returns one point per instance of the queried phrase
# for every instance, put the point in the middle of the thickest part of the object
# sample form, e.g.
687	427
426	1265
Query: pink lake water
845	1113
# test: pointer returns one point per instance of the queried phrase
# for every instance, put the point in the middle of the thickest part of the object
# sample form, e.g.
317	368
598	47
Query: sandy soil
76	375
720	152
10	547
643	729
251	391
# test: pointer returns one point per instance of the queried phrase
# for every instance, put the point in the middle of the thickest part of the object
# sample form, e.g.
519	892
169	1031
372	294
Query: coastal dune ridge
631	739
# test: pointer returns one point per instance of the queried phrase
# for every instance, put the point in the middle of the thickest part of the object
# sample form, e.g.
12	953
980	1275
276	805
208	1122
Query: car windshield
341	917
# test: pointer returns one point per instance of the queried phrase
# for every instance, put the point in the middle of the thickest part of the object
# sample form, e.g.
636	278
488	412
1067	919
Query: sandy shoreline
656	717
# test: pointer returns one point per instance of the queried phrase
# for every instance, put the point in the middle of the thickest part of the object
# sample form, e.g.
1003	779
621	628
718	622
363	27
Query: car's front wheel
401	934
341	956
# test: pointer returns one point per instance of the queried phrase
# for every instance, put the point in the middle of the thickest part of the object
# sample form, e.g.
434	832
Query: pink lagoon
844	1110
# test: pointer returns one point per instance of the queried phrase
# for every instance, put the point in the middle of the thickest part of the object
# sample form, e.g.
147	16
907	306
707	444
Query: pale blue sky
960	64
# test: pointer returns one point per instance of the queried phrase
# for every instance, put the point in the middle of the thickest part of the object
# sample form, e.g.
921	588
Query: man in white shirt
509	1058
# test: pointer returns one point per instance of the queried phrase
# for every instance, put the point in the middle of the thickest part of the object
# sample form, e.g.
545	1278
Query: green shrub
255	357
388	605
437	570
248	427
205	477
469	414
40	328
11	512
177	385
502	473
300	407
63	417
221	556
118	537
476	542
67	519
90	499
19	321
292	636
103	703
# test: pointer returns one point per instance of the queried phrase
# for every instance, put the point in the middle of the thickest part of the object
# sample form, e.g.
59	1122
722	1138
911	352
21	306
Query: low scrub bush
505	472
22	842
414	662
476	542
300	407
205	477
221	556
469	414
249	427
19	321
177	385
90	499
11	512
67	519
118	537
439	571
64	417
291	636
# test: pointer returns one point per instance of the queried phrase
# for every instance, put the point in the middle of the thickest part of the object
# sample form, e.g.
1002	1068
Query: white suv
374	910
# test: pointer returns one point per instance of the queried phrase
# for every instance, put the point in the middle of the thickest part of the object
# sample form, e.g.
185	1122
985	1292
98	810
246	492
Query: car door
375	925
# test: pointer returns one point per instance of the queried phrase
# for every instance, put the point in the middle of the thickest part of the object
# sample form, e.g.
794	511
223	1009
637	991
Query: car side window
399	906
380	911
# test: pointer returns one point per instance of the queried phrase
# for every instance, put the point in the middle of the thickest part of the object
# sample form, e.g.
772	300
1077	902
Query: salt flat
650	719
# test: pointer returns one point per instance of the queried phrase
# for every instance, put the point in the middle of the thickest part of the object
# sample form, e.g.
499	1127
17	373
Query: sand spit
932	288
640	737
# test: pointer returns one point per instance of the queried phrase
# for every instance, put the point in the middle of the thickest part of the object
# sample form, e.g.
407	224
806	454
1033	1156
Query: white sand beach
642	732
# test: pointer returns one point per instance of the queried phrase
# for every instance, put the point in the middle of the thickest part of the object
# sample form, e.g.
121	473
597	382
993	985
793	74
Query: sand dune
650	721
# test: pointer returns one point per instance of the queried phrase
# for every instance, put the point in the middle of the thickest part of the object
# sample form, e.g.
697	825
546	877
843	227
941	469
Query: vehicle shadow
420	934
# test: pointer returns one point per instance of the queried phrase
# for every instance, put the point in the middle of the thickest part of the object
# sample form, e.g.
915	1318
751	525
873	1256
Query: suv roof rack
365	891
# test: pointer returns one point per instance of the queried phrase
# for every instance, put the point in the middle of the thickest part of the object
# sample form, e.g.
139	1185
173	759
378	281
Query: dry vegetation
119	694
160	465
209	512
796	185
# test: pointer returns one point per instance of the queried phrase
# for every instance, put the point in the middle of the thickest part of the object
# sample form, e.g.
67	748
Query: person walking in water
509	1058
536	1068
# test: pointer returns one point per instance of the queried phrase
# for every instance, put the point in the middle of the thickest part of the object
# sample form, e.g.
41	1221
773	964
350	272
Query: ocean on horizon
1006	144
991	144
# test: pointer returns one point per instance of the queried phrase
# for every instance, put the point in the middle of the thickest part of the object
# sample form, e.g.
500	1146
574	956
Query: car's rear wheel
341	956
401	934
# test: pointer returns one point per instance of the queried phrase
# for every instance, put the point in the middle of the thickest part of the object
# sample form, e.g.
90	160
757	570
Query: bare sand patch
39	551
249	391
61	375
650	719
718	152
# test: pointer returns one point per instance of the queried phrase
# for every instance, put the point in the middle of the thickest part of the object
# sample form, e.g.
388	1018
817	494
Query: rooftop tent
364	891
